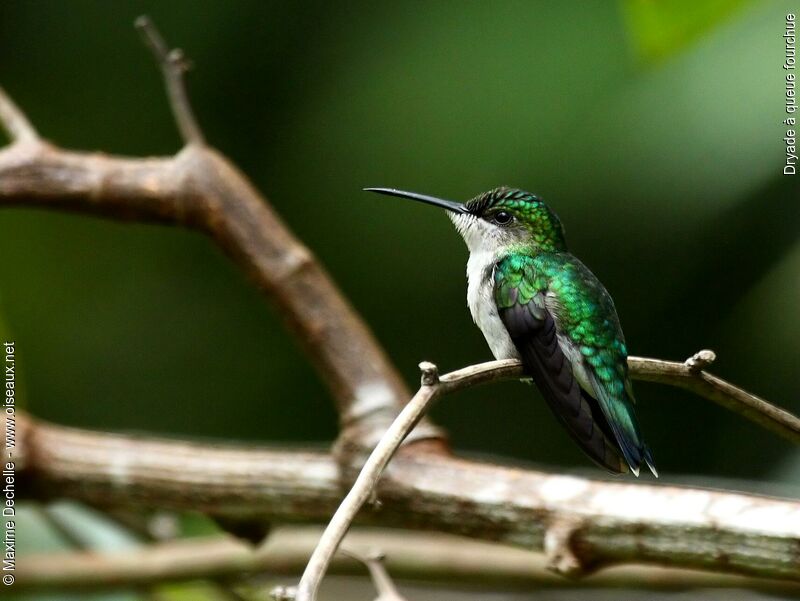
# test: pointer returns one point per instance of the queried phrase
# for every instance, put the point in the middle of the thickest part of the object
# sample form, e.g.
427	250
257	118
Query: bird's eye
503	218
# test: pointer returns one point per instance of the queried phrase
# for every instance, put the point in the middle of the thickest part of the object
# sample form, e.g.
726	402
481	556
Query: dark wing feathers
598	415
537	342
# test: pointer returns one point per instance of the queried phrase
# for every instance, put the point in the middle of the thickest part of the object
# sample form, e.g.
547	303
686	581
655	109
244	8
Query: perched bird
536	302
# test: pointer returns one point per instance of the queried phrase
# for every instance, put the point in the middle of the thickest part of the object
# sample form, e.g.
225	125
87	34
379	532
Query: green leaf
661	29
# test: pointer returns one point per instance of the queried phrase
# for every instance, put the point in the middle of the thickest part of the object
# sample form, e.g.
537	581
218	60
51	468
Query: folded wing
594	405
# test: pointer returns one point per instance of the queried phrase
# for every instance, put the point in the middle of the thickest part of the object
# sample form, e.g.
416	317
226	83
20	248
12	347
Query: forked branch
201	189
564	528
618	522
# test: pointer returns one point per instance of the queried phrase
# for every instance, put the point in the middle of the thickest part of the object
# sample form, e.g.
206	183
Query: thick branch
409	555
201	189
623	522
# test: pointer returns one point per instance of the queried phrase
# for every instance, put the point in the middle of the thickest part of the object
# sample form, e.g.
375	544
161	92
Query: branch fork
201	189
560	532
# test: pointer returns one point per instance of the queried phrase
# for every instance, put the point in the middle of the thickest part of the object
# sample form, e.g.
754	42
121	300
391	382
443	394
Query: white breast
480	299
484	243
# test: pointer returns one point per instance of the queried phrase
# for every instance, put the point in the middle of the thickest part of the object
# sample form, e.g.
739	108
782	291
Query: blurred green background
654	130
662	155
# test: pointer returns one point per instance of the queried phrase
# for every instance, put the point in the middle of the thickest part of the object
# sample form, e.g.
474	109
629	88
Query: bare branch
173	65
409	555
622	522
14	121
709	386
559	534
201	189
687	375
365	483
672	373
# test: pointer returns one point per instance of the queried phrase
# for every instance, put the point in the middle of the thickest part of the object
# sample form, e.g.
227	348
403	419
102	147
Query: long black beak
455	207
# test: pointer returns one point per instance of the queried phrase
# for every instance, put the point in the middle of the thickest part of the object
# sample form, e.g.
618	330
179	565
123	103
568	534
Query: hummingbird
536	302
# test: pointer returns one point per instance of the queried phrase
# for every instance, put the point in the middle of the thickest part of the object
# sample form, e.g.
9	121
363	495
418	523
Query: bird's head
502	218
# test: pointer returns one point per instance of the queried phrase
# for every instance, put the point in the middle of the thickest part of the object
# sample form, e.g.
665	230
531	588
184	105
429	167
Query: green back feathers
583	309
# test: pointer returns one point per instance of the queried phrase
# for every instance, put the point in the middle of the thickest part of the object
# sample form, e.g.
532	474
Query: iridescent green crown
529	210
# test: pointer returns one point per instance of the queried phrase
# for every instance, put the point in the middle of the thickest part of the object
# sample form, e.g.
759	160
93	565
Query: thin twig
374	562
689	375
364	484
684	375
173	65
14	120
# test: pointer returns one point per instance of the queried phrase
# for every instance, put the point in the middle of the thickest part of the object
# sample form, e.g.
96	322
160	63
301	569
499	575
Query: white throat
485	250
